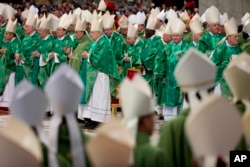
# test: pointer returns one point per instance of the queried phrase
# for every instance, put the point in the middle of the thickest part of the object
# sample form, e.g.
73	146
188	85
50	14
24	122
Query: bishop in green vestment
209	41
222	55
102	76
135	92
117	43
29	62
133	51
46	45
7	57
62	49
76	60
153	47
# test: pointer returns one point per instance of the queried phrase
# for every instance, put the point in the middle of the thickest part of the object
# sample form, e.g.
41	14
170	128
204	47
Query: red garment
190	4
110	5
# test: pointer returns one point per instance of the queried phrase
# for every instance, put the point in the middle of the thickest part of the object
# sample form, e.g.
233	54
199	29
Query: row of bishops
103	55
200	136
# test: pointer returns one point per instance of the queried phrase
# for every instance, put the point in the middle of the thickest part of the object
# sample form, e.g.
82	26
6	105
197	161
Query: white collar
137	40
62	37
46	37
178	43
32	33
212	34
153	36
13	39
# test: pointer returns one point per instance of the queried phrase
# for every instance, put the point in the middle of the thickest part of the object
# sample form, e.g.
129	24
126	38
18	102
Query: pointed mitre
33	9
136	97
171	14
245	18
11	26
195	71
223	18
212	15
31	20
102	6
140	18
155	11
80	24
132	18
19	141
231	27
64	21
195	26
28	104
77	11
123	22
2	8
96	23
25	14
196	16
132	30
207	130
184	16
112	137
162	16
86	15
9	12
72	86
54	21
151	24
177	26
237	75
108	20
45	23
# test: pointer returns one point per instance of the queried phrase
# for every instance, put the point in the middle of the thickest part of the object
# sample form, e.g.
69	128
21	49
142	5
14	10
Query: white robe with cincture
98	107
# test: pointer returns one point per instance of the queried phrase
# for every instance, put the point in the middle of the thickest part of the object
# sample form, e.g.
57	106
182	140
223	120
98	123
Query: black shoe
80	121
88	124
93	125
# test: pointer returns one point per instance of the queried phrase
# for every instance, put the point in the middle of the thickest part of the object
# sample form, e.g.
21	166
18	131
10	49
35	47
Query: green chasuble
241	40
30	63
62	162
59	49
101	59
7	63
174	143
75	61
146	155
153	47
2	34
75	41
134	52
64	144
246	46
78	63
141	35
172	95
20	32
208	42
45	47
117	44
15	48
221	58
187	36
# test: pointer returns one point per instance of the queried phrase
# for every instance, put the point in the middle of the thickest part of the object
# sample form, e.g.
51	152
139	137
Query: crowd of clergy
192	71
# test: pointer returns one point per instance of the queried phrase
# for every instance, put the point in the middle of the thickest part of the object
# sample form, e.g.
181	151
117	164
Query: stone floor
4	117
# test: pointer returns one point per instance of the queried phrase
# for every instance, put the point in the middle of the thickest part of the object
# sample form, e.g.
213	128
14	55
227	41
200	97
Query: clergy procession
80	68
